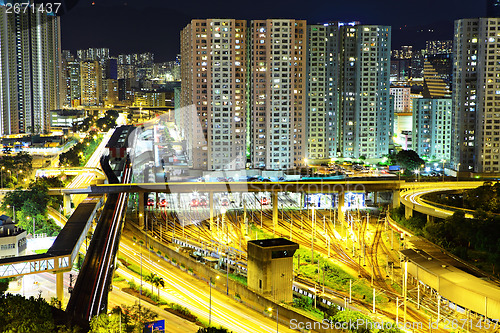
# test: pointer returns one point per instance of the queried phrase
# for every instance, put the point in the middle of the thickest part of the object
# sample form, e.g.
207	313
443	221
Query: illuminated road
412	197
42	284
183	289
85	178
174	323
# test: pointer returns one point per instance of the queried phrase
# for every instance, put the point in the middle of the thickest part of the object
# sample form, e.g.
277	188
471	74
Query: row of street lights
417	171
1	175
27	217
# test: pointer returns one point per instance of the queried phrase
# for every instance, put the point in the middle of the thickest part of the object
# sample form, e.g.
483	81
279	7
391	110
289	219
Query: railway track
294	223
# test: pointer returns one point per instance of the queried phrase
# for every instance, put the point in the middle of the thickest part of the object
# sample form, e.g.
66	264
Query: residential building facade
402	99
278	93
432	127
30	67
476	96
348	90
365	114
214	74
90	83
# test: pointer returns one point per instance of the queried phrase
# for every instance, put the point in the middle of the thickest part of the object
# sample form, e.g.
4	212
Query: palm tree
150	278
158	281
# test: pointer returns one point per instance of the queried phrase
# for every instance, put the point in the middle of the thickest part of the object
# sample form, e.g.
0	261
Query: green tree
135	316
303	302
108	121
407	160
158	282
151	279
105	323
4	285
122	319
31	204
14	166
18	314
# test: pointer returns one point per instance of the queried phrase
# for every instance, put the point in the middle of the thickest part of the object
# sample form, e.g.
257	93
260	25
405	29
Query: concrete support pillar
430	219
375	198
396	197
141	210
59	281
408	212
66	204
341	206
59	286
274	201
211	204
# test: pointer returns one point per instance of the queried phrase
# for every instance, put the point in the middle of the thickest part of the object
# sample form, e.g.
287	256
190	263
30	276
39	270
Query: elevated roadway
90	294
412	199
60	256
49	172
189	187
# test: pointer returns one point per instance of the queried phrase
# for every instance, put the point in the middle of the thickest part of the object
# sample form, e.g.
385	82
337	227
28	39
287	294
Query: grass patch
90	149
415	223
118	278
135	290
305	306
133	267
238	278
40	251
397	287
259	233
335	277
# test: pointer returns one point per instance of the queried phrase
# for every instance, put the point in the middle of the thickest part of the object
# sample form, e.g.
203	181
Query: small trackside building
12	238
270	268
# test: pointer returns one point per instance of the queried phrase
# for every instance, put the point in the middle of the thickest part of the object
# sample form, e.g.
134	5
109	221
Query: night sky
154	25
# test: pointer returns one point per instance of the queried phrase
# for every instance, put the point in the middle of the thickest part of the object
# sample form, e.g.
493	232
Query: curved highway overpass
412	199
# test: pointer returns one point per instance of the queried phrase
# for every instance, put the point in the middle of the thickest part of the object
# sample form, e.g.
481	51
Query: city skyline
106	24
317	163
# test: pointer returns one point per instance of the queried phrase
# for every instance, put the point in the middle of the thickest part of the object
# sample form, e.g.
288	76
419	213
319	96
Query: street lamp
13	213
210	307
277	313
442	161
28	218
458	170
223	211
313	225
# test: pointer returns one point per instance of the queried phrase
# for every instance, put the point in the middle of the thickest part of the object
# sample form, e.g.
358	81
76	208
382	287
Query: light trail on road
235	317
